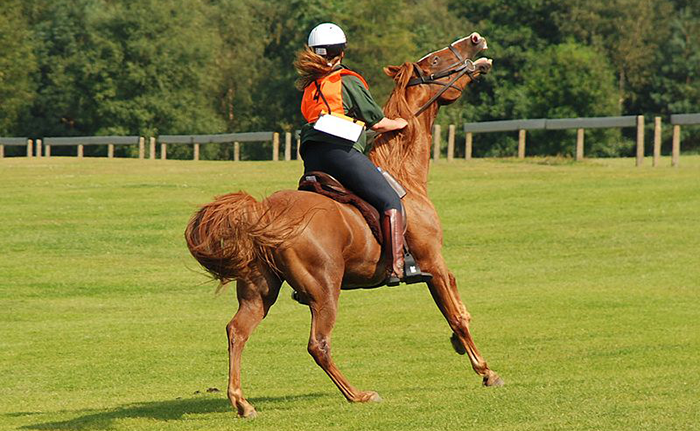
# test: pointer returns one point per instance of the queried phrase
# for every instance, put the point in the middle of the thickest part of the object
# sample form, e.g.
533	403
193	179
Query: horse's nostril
475	39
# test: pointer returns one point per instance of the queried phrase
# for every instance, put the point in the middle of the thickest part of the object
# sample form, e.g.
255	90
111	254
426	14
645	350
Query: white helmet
326	35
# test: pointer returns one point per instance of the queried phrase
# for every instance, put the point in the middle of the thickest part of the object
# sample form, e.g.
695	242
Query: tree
675	83
17	64
568	81
132	67
629	32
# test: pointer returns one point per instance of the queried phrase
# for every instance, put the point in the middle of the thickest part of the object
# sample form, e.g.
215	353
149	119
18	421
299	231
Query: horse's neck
409	162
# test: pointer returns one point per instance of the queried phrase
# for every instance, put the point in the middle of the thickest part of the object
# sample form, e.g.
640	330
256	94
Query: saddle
326	185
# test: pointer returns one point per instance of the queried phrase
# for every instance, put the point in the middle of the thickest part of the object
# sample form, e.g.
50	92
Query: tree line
150	67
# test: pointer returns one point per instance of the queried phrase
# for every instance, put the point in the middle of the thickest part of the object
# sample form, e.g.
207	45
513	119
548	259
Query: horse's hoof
369	397
375	398
493	381
457	345
248	414
300	298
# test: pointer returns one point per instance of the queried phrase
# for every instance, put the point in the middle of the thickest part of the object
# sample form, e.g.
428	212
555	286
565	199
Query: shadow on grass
159	411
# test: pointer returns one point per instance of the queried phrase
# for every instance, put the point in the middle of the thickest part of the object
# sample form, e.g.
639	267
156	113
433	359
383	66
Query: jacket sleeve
358	102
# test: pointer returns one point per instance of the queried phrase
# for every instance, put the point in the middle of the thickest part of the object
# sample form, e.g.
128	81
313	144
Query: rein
460	68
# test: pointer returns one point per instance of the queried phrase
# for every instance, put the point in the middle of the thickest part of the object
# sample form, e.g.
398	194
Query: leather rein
460	68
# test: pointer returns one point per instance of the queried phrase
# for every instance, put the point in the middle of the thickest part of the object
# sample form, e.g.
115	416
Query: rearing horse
319	246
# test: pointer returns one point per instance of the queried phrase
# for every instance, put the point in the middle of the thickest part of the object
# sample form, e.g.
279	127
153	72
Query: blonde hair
311	66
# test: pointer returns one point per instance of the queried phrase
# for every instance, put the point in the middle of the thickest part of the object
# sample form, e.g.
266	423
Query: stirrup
412	272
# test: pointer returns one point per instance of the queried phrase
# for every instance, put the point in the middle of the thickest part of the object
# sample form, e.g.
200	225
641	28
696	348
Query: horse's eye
436	59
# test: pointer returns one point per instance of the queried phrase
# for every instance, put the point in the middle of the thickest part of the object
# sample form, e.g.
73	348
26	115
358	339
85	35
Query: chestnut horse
319	246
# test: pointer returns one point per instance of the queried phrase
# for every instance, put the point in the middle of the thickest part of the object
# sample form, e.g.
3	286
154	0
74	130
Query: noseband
460	68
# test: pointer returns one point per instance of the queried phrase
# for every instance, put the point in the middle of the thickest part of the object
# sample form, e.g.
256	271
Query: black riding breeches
354	170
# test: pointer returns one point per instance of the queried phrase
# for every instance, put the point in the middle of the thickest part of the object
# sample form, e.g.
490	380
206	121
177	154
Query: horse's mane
396	152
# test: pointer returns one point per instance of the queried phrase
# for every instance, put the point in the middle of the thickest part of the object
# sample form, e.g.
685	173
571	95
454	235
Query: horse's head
445	72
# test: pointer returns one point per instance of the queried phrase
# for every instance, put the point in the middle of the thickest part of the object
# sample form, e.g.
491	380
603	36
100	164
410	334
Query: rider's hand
388	125
401	123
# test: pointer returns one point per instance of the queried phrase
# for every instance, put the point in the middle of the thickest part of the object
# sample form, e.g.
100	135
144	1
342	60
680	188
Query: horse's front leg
443	288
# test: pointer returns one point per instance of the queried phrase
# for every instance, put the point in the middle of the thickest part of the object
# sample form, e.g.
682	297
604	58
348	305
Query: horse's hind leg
322	292
443	288
323	315
254	300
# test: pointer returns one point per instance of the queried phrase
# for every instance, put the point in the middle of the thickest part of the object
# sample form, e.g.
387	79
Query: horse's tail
234	235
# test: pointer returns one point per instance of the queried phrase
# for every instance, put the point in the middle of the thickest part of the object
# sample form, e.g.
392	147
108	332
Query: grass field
583	281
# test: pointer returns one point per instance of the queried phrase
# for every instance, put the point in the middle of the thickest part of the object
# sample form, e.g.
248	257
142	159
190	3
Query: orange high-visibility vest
332	88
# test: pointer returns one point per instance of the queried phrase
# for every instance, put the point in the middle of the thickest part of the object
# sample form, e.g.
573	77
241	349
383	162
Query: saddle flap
326	185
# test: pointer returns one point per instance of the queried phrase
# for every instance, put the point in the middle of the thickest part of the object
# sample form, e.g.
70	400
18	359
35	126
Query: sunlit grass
583	280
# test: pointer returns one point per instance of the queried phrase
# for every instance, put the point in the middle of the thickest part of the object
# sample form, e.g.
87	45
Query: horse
320	247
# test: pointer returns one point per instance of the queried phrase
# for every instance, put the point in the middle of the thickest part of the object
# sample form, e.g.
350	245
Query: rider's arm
387	125
366	109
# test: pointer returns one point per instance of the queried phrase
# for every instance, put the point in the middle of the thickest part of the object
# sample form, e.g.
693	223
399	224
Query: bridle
460	68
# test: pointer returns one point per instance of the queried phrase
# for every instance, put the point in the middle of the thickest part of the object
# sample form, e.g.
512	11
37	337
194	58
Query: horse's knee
319	350
460	324
234	335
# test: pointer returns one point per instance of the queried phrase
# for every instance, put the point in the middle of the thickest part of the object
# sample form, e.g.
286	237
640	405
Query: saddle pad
326	185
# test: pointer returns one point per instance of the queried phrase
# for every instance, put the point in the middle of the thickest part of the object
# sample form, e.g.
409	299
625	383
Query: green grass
583	280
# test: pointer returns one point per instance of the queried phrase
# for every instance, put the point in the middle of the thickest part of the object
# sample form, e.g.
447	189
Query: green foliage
95	67
17	63
569	81
676	88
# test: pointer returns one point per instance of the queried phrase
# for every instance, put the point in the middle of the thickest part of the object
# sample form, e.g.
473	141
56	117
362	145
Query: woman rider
331	87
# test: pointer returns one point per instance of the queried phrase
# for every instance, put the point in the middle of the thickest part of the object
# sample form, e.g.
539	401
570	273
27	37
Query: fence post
30	144
640	140
436	142
579	144
163	151
2	151
657	141
299	147
468	146
152	148
38	148
676	150
195	156
236	151
80	151
47	151
521	143
287	146
142	148
110	151
275	147
451	142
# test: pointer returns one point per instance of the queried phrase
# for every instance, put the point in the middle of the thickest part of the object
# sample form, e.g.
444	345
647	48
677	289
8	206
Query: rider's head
327	40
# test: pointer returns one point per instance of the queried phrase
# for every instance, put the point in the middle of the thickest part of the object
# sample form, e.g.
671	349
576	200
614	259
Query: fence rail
521	126
15	142
81	141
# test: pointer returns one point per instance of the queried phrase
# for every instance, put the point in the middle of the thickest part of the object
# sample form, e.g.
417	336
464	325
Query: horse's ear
400	73
391	71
